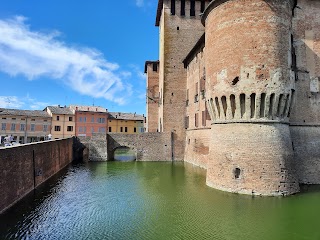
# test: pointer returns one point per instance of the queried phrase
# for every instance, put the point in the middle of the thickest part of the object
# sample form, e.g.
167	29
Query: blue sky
76	52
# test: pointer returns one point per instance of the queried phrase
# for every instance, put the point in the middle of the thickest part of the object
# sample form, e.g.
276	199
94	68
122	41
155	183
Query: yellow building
125	123
63	121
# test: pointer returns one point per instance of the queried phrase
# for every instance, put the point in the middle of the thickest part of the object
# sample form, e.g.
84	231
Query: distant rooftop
126	116
88	108
26	113
60	110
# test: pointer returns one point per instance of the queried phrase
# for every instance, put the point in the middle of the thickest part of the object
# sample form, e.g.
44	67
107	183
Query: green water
136	200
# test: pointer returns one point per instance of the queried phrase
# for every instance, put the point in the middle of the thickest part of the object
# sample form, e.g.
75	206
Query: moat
150	200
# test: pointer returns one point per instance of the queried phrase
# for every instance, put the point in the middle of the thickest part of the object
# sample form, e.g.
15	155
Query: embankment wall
25	167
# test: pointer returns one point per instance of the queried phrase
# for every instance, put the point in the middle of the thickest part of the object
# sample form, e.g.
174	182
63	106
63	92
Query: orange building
89	119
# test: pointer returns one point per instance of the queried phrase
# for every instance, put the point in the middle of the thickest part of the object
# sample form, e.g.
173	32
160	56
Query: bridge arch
123	153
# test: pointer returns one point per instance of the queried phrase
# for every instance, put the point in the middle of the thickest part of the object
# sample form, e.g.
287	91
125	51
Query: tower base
252	158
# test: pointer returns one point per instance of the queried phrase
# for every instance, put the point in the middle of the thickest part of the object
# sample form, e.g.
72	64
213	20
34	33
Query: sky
76	52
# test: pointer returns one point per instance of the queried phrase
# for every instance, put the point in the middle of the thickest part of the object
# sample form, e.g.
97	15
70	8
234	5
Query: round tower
250	90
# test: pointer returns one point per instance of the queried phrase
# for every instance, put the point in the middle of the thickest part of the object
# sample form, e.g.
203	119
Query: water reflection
124	154
149	200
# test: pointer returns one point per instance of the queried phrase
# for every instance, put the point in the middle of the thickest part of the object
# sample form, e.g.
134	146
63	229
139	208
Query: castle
237	86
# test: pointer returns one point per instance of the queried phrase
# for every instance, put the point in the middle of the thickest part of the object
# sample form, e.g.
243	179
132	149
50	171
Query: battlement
182	8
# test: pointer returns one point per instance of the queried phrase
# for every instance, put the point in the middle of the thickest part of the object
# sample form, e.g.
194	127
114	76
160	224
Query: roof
126	116
147	63
60	110
26	113
88	108
197	48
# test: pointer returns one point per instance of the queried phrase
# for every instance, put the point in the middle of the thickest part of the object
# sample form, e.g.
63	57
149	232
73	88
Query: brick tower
250	90
180	28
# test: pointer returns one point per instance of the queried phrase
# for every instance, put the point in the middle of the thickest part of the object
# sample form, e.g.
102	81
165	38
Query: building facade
25	126
63	121
130	123
239	90
89	120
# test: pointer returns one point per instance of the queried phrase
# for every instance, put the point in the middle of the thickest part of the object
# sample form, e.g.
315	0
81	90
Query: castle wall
305	115
175	43
197	121
197	146
252	159
306	145
152	96
251	87
306	35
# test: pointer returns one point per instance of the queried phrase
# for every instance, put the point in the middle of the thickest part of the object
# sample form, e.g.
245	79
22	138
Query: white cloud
140	3
22	103
34	55
11	102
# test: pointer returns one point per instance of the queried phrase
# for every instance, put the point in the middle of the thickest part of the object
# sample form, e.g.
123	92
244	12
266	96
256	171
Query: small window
58	118
57	128
33	127
70	119
22	127
13	118
126	129
45	128
110	129
155	67
69	128
33	120
13	127
237	173
121	129
3	126
135	129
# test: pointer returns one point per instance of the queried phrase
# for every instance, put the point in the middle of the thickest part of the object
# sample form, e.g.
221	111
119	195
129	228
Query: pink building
89	119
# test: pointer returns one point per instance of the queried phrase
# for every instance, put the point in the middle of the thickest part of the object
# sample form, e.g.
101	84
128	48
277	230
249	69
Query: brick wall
306	145
175	43
306	36
26	167
152	96
262	153
197	147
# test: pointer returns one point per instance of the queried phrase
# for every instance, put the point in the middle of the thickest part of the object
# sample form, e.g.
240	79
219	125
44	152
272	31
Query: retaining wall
25	167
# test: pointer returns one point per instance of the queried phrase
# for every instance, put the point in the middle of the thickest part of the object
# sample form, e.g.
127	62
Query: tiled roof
126	116
27	113
60	110
88	108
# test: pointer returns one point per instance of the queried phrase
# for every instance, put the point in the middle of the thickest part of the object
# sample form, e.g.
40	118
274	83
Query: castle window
204	118
192	8
183	8
186	122
237	172
155	67
196	120
173	7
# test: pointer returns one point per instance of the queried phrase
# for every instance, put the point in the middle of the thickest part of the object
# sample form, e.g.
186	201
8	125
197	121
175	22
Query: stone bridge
147	146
